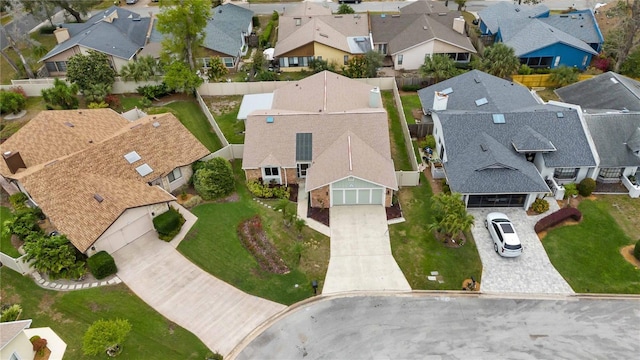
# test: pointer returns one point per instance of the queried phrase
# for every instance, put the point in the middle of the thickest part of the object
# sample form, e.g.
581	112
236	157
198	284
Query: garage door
127	233
499	200
358	193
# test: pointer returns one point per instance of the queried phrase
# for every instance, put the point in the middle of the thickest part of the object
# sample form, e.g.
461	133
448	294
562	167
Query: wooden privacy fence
541	80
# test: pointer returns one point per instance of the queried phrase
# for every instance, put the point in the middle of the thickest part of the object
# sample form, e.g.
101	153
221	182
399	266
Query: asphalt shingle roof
502	95
605	91
615	135
504	10
223	32
122	37
580	24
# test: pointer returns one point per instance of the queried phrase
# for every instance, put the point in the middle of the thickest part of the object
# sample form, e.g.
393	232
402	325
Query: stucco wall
330	54
186	171
320	197
20	345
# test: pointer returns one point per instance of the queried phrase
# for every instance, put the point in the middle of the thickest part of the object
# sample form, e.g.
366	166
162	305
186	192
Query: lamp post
314	285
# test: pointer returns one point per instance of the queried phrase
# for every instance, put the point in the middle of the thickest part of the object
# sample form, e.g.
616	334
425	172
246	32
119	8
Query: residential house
541	39
119	33
608	91
15	341
226	34
98	177
422	28
335	142
312	32
502	148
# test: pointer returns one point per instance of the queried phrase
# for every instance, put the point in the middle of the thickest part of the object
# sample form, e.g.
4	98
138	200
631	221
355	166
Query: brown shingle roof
65	189
57	133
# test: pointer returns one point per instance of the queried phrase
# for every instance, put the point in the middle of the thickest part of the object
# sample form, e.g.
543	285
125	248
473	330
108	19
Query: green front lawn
396	136
417	251
193	119
5	239
410	102
226	113
588	254
213	245
69	314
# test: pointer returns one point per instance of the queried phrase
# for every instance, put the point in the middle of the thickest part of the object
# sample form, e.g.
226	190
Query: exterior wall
320	197
413	58
252	174
388	198
438	135
206	53
545	172
569	56
331	55
304	50
186	171
20	345
291	176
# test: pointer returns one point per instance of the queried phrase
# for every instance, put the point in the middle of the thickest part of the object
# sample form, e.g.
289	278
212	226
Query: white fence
34	87
229	152
212	121
19	265
408	178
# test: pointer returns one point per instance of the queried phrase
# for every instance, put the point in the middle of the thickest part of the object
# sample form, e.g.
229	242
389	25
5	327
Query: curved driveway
531	272
428	327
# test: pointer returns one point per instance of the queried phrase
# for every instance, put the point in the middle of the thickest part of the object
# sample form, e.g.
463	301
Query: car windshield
512	247
507	228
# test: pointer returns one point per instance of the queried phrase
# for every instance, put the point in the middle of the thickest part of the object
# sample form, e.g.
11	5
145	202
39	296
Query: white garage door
358	193
128	233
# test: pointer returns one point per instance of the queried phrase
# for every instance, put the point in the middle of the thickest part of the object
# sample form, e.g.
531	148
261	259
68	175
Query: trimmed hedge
557	217
168	224
266	191
102	265
540	206
586	186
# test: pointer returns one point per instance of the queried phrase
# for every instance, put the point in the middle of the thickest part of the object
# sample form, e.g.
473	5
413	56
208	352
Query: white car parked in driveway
505	239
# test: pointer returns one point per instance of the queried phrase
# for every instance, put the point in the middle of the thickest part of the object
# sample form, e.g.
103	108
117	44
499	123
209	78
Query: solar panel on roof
144	169
132	157
304	146
482	101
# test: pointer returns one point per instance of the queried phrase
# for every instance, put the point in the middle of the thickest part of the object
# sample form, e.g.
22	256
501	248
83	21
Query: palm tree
450	215
499	60
564	75
439	67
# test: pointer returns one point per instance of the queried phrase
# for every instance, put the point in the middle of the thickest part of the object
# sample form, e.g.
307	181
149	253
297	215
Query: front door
302	170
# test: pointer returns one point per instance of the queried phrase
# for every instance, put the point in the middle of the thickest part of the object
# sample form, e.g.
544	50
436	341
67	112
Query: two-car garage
131	225
354	191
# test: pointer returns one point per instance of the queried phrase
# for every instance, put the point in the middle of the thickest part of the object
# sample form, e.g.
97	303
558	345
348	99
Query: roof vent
483	147
269	119
132	157
481	102
424	27
156	124
324	35
144	169
560	114
442	14
68	124
498	118
614	80
476	80
98	198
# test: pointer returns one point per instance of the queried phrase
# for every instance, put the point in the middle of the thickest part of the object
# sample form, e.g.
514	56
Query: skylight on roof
560	114
132	157
446	91
614	80
482	101
269	119
498	118
144	169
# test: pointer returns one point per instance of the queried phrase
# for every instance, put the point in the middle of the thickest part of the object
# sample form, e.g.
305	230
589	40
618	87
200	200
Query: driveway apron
216	312
361	258
531	272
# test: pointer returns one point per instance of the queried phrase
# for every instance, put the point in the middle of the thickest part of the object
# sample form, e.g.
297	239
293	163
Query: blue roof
223	32
503	10
123	37
580	24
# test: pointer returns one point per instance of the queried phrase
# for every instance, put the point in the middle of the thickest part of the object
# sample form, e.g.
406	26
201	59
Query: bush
430	141
570	190
525	70
112	100
23	224
214	356
38	344
256	22
168	224
411	87
193	202
540	206
102	265
153	91
47	30
586	186
267	191
10	313
636	250
100	105
18	201
445	187
11	102
557	217
214	179
266	34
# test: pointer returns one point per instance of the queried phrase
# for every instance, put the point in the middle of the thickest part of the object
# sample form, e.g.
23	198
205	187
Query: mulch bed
394	212
461	240
293	193
318	214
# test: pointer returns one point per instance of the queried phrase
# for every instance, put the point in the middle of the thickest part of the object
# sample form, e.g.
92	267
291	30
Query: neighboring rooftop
581	24
225	28
616	136
506	10
610	91
9	330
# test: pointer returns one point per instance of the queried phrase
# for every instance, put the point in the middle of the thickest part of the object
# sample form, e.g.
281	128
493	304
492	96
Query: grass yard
398	148
588	254
225	111
130	101
213	245
7	74
410	102
548	94
625	211
69	314
418	253
193	119
5	239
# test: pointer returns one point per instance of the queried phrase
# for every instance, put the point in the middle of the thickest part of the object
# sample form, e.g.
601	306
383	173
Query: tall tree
628	36
374	60
89	70
499	60
183	21
356	67
75	8
439	67
105	335
180	78
345	9
461	4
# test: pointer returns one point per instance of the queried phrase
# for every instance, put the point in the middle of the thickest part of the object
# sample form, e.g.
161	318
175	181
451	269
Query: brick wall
320	197
291	175
253	174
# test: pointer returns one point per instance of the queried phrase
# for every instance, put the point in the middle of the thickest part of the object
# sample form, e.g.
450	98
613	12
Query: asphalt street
449	327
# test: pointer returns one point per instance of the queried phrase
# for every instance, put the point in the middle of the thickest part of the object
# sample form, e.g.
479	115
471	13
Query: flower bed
254	239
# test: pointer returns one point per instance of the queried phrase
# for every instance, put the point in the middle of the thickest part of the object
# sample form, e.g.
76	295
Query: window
174	175
14	356
610	173
62	66
537	62
346	59
56	66
584	60
557	62
302	170
565	173
228	62
459	57
382	48
271	171
400	59
298	21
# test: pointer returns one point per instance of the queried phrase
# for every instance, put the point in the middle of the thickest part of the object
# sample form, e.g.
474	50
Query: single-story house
541	39
335	142
422	28
15	341
312	32
226	34
117	32
608	91
98	177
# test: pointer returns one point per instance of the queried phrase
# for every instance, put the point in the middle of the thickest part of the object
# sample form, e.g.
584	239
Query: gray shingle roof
612	135
499	168
122	37
502	95
504	10
223	32
601	92
529	140
581	24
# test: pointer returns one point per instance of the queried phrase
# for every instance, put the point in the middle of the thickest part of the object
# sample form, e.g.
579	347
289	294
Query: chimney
458	25
62	34
14	161
440	101
374	98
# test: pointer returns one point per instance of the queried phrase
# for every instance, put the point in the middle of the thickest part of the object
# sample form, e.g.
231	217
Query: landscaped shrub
570	190
23	224
215	179
214	356
267	191
54	256
256	21
168	224
102	265
193	202
153	91
636	250
112	100
411	87
586	186
557	217
430	141
540	206
11	102
39	344
445	187
18	201
10	313
266	34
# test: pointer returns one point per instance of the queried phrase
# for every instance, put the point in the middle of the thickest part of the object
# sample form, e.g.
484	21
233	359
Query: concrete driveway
361	258
216	312
531	272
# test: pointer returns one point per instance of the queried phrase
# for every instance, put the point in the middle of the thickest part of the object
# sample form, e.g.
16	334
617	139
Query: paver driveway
531	272
361	258
216	312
